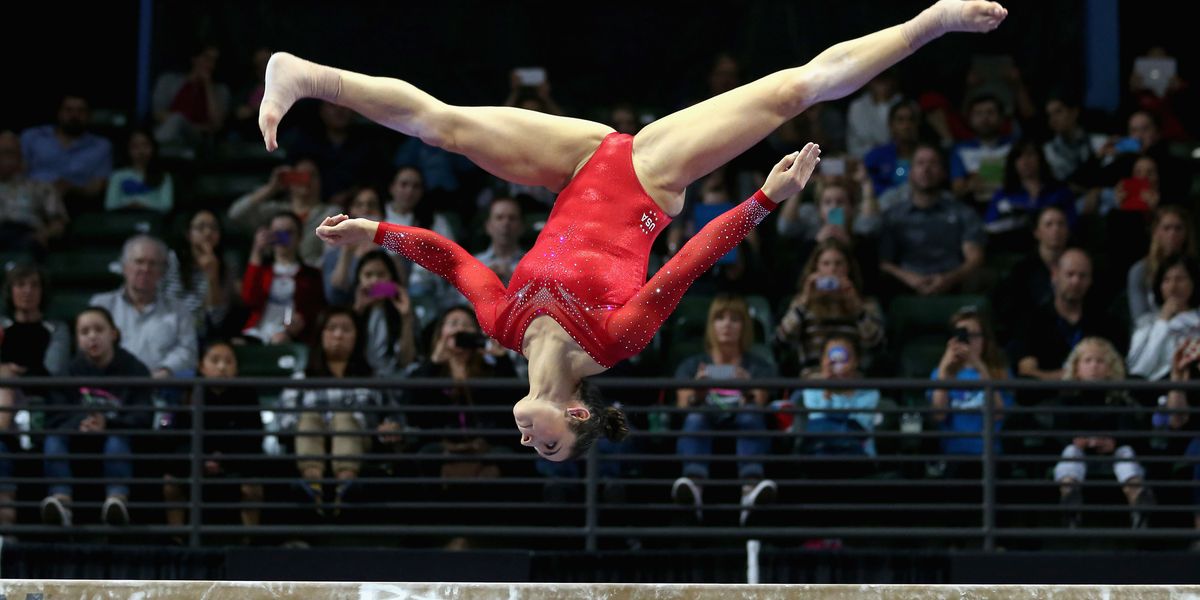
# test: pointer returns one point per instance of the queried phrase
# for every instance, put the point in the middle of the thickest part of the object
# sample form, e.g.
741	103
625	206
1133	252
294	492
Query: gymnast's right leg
521	146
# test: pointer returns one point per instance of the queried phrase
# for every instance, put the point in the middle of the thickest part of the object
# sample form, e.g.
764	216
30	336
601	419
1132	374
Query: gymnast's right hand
340	230
791	174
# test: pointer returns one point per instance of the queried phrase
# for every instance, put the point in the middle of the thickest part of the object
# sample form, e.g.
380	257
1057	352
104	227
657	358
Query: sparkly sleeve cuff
381	231
764	200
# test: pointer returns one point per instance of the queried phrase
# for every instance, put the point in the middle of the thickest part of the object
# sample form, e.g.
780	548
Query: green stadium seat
910	316
85	268
113	228
8	260
279	360
223	188
64	305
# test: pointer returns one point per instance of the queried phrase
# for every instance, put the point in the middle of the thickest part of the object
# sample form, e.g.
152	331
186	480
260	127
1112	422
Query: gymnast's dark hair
605	419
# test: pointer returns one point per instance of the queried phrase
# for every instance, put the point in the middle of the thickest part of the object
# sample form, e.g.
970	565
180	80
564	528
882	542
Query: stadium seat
64	305
11	259
279	360
85	268
910	316
112	228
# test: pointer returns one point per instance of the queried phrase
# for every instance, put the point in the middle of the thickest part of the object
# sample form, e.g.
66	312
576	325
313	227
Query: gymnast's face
544	426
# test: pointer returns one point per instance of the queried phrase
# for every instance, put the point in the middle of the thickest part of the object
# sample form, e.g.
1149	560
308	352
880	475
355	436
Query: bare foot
974	16
289	79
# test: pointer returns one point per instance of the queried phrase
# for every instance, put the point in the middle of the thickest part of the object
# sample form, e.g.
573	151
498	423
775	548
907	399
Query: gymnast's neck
556	362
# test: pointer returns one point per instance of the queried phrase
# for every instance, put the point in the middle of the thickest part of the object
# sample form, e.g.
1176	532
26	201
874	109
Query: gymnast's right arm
430	250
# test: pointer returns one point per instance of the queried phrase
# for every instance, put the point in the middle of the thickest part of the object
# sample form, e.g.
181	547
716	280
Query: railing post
197	469
989	471
590	507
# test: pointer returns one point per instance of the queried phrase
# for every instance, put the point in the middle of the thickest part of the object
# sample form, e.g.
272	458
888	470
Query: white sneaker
685	491
762	493
115	512
55	512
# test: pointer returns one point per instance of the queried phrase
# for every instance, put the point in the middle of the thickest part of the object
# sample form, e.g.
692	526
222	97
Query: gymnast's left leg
671	153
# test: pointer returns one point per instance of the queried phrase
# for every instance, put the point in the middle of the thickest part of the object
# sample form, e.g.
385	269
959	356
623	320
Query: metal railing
1011	498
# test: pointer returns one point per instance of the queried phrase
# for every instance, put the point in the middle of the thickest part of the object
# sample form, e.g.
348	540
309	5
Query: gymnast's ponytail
604	420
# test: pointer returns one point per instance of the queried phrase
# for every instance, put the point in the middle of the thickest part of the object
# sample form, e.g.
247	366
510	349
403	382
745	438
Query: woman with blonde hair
1095	432
1170	236
728	337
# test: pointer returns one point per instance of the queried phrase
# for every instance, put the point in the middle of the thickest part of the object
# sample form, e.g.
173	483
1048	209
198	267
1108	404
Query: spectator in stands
191	107
1142	190
532	95
977	164
302	182
1050	330
405	208
459	350
839	360
100	355
1158	336
1028	187
1028	281
1004	82
829	303
1144	138
823	124
868	116
1172	107
339	264
931	243
282	295
8	443
1095	359
1184	368
218	361
504	227
971	355
204	277
711	197
246	113
888	163
1170	235
1070	148
386	312
155	328
32	215
623	118
32	345
143	185
75	162
343	154
728	337
327	424
834	216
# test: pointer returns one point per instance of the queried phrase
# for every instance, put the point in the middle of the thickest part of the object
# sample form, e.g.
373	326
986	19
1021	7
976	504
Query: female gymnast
579	301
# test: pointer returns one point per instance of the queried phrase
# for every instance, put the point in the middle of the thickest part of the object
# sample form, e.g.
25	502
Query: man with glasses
157	330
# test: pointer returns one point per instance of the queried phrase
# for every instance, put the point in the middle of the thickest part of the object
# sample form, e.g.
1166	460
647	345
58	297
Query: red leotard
587	269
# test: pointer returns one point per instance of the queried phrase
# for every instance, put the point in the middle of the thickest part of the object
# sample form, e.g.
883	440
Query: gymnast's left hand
791	174
340	230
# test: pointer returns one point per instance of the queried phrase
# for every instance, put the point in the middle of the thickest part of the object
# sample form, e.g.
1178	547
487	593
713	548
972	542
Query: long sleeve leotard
587	269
